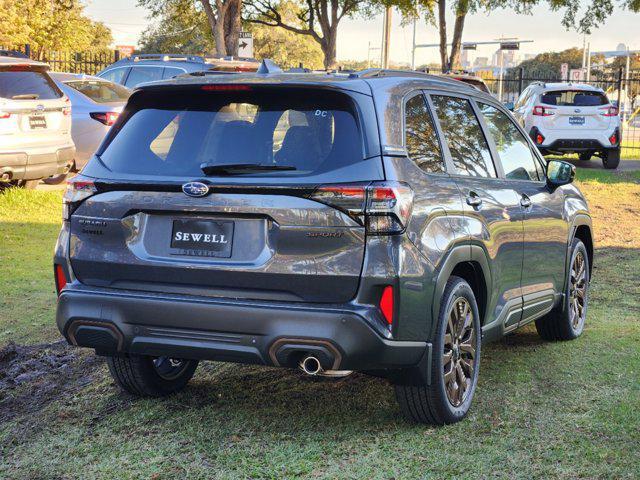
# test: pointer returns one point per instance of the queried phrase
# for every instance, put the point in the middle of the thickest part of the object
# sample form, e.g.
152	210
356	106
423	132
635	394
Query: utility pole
588	61
386	37
413	47
584	51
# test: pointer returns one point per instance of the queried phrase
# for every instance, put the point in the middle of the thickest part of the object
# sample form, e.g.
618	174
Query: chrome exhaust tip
311	365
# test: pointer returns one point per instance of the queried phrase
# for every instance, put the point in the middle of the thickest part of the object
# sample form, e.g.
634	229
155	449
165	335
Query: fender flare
579	220
459	254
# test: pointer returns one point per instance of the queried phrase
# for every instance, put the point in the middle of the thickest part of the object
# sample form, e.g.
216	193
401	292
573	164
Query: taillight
66	110
78	189
107	118
609	111
541	111
4	115
383	207
60	278
386	304
539	138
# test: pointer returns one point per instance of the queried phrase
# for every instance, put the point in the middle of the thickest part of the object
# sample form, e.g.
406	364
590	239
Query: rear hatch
576	110
170	217
33	111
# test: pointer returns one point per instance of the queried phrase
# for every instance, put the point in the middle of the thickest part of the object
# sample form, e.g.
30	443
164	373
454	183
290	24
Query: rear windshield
27	83
101	92
313	132
574	98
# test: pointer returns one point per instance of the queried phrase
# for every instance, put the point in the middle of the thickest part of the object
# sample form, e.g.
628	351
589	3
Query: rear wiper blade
240	168
26	96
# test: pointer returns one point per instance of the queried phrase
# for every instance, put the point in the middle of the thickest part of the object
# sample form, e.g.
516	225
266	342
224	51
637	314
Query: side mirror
559	173
509	106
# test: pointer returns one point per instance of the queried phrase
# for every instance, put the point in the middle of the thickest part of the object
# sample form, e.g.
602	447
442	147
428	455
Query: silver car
35	124
95	106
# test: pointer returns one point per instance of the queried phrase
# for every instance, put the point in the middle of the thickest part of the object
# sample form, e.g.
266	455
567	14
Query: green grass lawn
542	410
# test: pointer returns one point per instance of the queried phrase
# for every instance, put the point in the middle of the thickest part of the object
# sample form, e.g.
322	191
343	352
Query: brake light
60	278
609	111
78	189
4	115
386	304
541	111
106	118
225	88
383	207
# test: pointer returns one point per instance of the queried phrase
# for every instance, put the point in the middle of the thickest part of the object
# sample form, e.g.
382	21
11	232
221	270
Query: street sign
510	46
469	46
125	50
564	72
245	45
576	75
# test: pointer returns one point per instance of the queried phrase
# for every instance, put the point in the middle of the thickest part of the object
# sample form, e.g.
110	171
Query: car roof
12	61
570	86
66	77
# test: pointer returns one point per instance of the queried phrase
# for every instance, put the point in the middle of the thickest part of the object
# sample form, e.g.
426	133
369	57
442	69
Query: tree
222	16
318	19
50	25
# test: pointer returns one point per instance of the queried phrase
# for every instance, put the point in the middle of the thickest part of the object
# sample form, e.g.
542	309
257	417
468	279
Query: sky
127	21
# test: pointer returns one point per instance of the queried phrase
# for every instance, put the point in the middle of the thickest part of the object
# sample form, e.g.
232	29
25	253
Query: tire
144	376
585	156
562	323
432	404
28	184
611	158
56	179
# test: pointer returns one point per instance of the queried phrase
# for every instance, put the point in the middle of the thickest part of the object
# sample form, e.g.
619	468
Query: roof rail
165	57
387	72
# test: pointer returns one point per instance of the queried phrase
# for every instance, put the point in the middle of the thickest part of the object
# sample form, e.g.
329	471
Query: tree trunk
232	26
461	12
328	46
216	24
442	27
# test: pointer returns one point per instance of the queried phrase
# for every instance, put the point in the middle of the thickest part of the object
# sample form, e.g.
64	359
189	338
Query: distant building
509	58
465	61
480	62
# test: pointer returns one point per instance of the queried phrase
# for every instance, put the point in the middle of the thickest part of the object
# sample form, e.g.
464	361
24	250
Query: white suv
571	118
35	124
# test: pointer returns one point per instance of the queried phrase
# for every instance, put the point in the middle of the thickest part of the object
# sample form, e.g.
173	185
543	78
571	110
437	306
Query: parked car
95	106
35	124
136	69
571	118
382	222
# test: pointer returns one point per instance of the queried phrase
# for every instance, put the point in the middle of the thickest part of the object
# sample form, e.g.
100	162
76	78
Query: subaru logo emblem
195	189
39	108
577	110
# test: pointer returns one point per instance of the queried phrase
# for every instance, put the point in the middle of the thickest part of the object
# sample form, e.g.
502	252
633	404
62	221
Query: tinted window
116	75
170	72
574	98
469	149
20	83
515	154
315	132
101	92
143	74
420	136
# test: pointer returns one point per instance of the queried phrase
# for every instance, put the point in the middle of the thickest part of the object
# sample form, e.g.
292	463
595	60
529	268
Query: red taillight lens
386	304
384	207
78	189
539	139
4	115
613	139
609	111
541	111
60	278
225	88
106	118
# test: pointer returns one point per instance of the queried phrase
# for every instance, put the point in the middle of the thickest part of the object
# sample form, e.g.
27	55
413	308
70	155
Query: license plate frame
576	121
37	122
202	238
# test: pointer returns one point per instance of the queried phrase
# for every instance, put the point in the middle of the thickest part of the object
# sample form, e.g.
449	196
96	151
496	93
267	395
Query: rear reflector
613	139
60	278
225	88
386	304
539	139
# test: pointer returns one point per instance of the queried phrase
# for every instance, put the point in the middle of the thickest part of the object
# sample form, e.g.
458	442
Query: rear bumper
554	141
34	165
279	334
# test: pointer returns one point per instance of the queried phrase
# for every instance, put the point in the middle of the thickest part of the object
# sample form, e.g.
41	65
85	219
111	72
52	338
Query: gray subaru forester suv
382	222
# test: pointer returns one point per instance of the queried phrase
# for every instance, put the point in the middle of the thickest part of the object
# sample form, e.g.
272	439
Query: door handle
525	201
473	200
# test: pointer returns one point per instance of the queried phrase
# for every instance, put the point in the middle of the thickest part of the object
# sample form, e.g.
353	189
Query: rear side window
313	132
26	83
143	74
513	149
170	72
101	92
574	98
421	139
469	149
116	75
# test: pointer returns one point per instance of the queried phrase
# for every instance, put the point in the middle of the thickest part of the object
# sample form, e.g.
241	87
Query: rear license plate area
37	121
202	238
576	120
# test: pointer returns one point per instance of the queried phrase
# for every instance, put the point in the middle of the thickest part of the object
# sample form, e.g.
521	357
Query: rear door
35	111
575	110
253	235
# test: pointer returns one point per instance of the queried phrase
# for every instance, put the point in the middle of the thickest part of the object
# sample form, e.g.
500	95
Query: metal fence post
116	55
27	50
619	86
520	79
